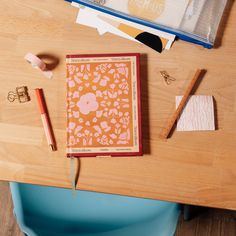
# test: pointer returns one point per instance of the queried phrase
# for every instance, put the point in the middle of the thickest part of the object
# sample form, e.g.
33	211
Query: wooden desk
190	167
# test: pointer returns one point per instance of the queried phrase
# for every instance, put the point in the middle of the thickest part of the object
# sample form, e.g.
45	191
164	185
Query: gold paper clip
21	95
168	79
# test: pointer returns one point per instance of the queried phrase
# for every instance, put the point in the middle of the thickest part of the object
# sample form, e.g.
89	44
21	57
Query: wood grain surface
193	167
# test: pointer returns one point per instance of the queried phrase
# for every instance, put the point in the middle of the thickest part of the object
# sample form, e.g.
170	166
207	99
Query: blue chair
49	211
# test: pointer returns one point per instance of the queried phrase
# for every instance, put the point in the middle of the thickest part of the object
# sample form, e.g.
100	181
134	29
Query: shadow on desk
145	105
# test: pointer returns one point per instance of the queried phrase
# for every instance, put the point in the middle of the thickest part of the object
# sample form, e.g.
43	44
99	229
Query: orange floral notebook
103	105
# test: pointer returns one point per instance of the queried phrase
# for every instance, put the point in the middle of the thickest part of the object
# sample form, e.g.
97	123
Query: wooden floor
207	222
8	226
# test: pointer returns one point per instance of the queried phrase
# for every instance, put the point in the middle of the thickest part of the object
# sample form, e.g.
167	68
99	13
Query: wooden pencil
166	131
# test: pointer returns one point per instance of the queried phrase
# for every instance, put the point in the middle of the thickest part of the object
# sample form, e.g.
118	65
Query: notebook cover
103	105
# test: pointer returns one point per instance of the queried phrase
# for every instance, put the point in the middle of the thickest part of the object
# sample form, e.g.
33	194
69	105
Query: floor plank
208	222
8	225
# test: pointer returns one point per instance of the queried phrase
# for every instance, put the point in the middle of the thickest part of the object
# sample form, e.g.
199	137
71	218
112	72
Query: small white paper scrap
198	114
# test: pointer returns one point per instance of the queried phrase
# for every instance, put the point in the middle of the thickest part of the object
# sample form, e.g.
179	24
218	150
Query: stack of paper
181	14
103	22
154	23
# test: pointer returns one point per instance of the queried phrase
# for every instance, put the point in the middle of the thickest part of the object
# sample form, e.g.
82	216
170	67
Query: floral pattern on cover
99	104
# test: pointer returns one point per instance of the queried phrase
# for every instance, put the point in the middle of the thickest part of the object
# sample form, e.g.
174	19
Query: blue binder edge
186	37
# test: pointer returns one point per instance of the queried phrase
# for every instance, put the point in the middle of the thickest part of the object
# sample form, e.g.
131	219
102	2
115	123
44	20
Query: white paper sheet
85	17
89	17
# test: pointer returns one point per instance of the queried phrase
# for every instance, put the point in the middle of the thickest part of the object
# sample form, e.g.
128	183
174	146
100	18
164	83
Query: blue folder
179	34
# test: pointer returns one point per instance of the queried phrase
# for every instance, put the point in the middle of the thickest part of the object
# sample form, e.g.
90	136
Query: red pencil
45	119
